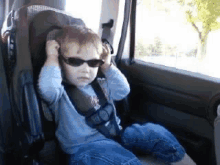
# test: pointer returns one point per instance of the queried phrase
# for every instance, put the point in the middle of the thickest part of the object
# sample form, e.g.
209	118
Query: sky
169	27
88	10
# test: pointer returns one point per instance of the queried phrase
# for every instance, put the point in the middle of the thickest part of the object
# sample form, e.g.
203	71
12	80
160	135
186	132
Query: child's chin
81	85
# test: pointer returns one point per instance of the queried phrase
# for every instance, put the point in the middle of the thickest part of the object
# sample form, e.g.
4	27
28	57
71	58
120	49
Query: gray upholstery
150	160
35	9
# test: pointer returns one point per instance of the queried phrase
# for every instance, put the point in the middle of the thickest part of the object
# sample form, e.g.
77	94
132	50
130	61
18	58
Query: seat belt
217	136
102	118
107	34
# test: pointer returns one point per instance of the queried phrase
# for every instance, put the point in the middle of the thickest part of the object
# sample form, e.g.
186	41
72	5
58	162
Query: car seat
25	30
37	140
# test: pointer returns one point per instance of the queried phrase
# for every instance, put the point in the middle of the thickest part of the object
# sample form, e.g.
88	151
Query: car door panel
194	94
184	102
176	119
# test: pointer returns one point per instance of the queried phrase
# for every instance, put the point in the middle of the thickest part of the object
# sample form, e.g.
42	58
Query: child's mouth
83	78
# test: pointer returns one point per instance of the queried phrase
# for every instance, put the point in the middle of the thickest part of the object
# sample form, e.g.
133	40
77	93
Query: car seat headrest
43	26
51	34
31	12
20	3
39	21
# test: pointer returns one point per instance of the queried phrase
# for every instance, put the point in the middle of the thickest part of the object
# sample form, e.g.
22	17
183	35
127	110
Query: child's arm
116	82
49	83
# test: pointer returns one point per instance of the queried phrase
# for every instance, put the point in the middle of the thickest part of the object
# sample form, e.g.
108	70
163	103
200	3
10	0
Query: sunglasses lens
95	63
78	62
75	61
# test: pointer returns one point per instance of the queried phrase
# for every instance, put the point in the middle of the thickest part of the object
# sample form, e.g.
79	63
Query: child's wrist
52	56
52	60
106	67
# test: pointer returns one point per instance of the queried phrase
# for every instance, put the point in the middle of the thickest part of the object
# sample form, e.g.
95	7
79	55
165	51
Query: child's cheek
95	71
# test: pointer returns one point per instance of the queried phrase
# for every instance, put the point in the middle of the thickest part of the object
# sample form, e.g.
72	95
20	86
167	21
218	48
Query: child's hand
52	48
106	56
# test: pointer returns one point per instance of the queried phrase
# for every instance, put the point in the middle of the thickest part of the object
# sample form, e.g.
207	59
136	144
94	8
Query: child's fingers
53	43
107	48
52	48
106	51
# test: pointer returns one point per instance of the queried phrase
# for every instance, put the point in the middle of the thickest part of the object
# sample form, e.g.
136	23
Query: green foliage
141	50
205	11
149	49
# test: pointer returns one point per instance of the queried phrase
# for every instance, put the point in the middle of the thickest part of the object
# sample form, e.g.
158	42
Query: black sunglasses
77	61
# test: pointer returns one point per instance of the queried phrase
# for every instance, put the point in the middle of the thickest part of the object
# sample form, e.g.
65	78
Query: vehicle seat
26	43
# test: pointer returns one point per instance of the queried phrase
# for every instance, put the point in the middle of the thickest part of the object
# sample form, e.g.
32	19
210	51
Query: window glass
168	33
89	11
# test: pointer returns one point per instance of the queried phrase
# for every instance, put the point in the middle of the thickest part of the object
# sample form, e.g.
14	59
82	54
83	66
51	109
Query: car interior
184	102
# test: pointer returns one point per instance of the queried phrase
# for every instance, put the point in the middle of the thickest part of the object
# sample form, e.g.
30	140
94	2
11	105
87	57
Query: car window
168	32
89	11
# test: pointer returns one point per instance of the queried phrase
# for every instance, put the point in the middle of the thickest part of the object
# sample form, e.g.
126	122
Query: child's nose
85	67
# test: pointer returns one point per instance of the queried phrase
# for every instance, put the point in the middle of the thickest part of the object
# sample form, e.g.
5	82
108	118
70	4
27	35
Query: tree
140	49
150	49
170	50
203	16
192	53
158	45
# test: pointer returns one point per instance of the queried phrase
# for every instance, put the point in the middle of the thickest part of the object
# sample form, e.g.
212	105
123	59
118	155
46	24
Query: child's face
82	75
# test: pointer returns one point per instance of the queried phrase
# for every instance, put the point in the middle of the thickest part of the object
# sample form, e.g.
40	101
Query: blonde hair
80	35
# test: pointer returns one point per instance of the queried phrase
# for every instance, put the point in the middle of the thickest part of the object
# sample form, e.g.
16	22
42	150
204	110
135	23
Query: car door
171	87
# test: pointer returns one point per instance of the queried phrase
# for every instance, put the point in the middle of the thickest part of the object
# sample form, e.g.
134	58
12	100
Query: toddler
73	59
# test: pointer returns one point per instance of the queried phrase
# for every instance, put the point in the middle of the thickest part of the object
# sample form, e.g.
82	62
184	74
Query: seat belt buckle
100	116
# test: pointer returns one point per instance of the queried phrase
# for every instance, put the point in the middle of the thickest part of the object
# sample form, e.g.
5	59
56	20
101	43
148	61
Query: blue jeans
103	152
148	138
153	139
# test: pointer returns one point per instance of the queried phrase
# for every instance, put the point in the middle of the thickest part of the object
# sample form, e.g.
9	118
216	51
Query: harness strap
103	119
112	127
101	116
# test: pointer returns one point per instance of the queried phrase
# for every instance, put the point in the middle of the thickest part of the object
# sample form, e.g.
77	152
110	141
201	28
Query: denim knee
154	139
